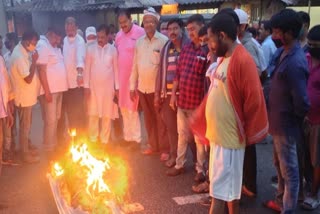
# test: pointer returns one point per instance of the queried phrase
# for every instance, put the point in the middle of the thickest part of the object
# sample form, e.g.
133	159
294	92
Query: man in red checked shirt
190	78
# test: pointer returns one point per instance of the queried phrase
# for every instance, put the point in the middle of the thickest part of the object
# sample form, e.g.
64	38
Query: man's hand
133	95
157	102
173	102
34	57
10	120
87	93
80	77
48	97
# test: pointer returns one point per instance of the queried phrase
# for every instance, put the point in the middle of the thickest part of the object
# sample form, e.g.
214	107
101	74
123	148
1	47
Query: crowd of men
216	88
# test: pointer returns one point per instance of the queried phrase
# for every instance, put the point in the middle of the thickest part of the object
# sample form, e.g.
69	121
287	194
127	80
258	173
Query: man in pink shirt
125	42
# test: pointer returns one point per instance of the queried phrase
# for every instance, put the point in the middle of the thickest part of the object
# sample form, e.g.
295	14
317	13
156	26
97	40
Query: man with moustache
164	83
146	64
189	79
234	99
125	42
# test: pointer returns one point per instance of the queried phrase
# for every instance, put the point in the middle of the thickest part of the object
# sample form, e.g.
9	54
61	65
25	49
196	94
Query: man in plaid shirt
190	78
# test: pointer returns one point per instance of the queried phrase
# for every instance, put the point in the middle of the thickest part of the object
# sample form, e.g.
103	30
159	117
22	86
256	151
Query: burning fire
95	169
88	176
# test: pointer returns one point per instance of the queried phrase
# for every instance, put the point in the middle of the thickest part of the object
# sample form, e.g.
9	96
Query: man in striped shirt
164	83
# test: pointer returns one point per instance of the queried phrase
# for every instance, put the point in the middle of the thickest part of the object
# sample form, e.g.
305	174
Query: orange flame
95	168
58	170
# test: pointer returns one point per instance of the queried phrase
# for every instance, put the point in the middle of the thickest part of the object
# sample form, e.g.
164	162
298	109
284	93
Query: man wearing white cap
125	42
255	50
91	35
144	72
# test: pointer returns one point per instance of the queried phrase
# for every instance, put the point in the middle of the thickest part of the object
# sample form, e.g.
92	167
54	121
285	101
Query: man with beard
125	42
235	98
189	79
146	64
164	83
288	105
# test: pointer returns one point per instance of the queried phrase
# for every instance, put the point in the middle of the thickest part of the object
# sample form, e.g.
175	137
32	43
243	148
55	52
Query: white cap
151	12
242	15
91	31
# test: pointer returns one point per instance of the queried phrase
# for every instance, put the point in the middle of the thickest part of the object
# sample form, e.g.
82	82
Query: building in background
22	14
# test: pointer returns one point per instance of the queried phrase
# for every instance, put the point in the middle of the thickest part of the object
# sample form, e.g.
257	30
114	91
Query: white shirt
74	57
146	62
6	92
7	57
269	48
25	94
53	59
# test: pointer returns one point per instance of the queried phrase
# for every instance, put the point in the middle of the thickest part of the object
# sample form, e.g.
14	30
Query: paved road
25	189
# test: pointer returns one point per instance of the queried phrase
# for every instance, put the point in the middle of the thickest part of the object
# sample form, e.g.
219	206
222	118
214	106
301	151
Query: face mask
278	42
71	39
8	45
91	41
31	48
315	52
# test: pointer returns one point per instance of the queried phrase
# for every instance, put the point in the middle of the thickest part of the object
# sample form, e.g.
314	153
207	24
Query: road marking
190	199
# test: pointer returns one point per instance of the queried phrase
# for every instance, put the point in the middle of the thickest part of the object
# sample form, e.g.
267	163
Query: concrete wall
42	20
3	20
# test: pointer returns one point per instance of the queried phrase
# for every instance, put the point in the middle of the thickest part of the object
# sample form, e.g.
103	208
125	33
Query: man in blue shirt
288	105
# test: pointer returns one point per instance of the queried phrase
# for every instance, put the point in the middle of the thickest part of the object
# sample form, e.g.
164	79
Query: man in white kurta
74	49
101	85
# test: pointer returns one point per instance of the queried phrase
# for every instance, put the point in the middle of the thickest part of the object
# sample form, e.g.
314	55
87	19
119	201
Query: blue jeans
286	163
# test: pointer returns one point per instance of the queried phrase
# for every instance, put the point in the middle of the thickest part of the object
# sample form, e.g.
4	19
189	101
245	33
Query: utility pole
309	6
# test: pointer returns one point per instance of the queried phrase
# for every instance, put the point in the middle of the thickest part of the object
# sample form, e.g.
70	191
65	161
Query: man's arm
80	57
28	79
42	69
134	76
298	86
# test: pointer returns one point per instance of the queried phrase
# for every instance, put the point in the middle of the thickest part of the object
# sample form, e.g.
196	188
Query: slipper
272	205
201	188
310	203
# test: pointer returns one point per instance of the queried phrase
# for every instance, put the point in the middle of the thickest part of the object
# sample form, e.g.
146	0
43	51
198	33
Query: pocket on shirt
199	64
155	57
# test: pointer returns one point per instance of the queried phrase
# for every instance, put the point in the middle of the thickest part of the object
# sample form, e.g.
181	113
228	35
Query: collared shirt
288	100
255	50
25	94
190	75
7	57
55	69
269	48
74	57
146	62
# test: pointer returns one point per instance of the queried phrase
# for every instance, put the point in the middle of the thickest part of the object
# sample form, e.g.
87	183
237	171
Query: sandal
310	203
201	188
170	163
272	205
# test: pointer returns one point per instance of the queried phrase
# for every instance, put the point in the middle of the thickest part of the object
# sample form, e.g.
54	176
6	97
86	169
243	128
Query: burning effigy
87	180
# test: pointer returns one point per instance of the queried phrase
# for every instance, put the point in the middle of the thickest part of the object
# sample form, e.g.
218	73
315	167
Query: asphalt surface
25	189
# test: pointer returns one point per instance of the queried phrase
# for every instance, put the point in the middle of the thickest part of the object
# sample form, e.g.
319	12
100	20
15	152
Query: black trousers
169	117
250	168
157	136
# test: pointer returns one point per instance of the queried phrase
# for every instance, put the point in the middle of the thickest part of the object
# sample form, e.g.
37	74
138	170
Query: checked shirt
190	75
